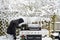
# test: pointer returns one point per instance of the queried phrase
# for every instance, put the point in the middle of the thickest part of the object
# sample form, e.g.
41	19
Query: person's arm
18	26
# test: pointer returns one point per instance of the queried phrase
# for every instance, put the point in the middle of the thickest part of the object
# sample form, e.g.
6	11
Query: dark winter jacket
13	25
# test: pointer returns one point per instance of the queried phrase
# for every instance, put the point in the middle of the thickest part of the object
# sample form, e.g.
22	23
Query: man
11	30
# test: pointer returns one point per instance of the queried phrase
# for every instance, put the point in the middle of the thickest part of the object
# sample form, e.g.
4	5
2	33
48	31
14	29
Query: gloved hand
14	38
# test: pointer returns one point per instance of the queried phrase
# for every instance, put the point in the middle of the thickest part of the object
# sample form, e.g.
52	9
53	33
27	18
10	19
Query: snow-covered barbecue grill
34	29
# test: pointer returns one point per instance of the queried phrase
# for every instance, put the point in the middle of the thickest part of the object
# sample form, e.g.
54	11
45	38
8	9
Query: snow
29	7
4	38
1	38
42	32
55	34
32	10
33	25
47	38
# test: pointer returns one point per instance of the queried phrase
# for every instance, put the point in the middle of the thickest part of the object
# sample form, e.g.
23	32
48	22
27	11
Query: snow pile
7	38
